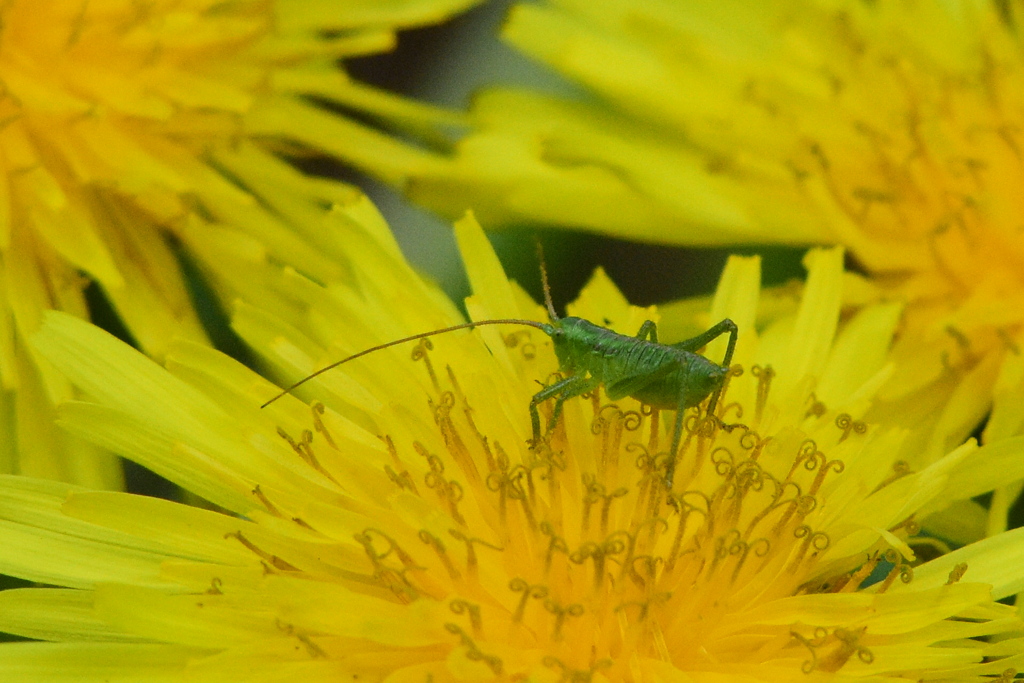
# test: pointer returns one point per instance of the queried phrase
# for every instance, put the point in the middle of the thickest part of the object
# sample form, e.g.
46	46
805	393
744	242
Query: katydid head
561	342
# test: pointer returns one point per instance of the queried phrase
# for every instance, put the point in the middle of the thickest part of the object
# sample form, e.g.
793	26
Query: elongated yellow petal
95	662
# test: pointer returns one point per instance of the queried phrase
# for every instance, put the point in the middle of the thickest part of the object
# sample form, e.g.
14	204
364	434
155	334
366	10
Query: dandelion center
572	557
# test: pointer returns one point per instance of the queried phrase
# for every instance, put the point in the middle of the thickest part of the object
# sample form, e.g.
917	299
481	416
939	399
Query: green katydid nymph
663	376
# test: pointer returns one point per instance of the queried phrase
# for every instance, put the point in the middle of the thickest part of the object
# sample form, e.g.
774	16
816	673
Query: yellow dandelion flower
893	128
135	134
400	529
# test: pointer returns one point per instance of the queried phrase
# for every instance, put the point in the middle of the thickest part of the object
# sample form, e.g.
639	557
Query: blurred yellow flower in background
893	128
399	528
136	135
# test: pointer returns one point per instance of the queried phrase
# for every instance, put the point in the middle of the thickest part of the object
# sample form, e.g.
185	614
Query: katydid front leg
562	390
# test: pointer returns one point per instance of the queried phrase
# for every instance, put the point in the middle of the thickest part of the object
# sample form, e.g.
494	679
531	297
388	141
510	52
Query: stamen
260	496
862	574
812	646
650	483
904	571
449	491
1008	341
764	377
869	196
817	408
678	501
473	653
963	343
599	553
809	456
459	606
272	560
645	605
609	422
818	540
752	441
402	481
472	565
438	546
735	407
843	642
304	448
846	423
942	263
956	573
816	151
402	478
456	446
901	468
392	578
606	506
691	426
520	472
467	411
596	492
846	648
528	349
570	675
314	650
909	525
318	409
761	547
505	483
365	538
536	591
421	352
837	466
777	503
628	542
797	508
555	544
724	461
562	612
649	564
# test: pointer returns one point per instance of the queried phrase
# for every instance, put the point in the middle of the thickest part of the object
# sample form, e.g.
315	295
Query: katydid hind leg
692	345
702	339
729	325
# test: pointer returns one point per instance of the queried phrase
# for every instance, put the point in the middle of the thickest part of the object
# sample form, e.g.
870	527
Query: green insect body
666	377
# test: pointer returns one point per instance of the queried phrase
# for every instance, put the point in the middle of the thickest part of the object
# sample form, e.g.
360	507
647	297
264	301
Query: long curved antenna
544	281
503	321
